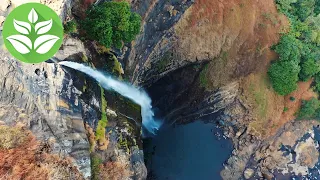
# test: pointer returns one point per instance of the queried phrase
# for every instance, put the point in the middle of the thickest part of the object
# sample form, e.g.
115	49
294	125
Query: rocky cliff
211	57
194	58
98	131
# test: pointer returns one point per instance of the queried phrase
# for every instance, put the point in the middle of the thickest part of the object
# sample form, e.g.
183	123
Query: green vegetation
123	143
112	24
299	50
203	77
95	166
103	122
70	27
284	76
309	109
285	109
292	98
260	98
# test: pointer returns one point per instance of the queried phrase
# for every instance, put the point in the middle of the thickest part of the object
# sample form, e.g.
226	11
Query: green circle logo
32	33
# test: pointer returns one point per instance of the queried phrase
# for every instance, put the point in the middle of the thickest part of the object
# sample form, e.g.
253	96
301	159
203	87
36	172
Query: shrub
70	27
284	76
11	137
285	109
292	98
308	109
112	24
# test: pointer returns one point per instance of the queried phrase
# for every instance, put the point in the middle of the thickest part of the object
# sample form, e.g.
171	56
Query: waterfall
136	95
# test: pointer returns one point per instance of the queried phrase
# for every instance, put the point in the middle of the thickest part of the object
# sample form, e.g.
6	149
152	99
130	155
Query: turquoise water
187	152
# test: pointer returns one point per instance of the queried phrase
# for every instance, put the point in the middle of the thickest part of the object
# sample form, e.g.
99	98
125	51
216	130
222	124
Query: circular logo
32	33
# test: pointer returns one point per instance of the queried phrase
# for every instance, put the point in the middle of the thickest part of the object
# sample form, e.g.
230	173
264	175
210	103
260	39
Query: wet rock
248	173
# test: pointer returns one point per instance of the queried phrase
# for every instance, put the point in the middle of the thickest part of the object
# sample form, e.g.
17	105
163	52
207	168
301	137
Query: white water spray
138	96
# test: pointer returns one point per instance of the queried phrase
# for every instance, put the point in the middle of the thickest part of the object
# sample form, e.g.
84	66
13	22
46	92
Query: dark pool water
187	152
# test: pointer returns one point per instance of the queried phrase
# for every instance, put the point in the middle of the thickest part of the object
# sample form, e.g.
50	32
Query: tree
308	69
289	48
284	76
317	7
304	8
309	108
285	5
112	24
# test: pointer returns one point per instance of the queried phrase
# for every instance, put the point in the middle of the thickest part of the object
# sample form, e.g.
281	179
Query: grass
260	99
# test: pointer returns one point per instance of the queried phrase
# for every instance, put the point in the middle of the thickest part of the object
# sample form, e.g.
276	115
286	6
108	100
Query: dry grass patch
11	137
24	158
266	106
114	171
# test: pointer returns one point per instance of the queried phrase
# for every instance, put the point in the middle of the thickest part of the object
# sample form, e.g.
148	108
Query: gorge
189	97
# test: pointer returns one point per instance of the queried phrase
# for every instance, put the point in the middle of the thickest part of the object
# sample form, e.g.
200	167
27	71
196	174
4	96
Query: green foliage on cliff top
309	109
299	49
112	24
284	76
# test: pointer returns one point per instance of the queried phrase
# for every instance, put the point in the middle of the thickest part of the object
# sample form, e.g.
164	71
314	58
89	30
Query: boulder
248	173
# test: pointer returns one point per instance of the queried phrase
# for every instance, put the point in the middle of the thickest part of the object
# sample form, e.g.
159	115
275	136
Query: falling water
136	95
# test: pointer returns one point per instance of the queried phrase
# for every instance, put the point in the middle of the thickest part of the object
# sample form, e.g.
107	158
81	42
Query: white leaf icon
21	43
43	27
44	43
22	27
33	16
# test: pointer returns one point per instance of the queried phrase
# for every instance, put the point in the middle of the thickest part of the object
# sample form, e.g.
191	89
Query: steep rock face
201	57
34	95
225	41
65	107
39	96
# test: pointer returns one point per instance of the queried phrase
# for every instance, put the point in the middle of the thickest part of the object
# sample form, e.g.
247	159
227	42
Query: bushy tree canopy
112	24
304	8
309	108
308	69
289	48
284	76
